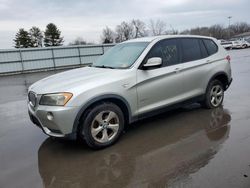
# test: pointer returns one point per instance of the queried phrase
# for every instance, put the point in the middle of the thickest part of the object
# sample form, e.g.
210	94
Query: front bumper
61	125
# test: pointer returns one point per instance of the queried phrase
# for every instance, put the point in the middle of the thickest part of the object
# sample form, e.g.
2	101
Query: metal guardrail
24	60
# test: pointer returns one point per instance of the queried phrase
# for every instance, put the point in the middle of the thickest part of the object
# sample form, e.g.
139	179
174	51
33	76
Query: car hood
69	81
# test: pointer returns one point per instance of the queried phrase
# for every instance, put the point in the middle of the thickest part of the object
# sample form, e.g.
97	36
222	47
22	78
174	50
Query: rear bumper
229	83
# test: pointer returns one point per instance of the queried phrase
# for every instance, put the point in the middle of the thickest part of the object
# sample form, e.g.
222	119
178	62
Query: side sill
167	108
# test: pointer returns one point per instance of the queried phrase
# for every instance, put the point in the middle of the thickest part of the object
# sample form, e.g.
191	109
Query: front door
160	86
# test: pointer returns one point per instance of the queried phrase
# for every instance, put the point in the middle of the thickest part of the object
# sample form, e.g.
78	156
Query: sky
87	18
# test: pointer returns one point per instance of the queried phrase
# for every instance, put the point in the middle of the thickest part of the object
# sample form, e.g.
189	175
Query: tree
36	36
185	32
157	27
124	32
172	31
217	31
139	28
238	28
52	36
107	36
200	31
78	41
22	39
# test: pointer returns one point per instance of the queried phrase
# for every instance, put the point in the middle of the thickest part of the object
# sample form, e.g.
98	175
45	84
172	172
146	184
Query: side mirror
153	62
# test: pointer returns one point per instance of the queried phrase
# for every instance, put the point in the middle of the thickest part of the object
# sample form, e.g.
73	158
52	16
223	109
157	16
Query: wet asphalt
186	147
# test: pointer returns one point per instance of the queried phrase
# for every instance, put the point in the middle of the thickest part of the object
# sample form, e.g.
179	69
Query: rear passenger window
204	53
212	48
190	50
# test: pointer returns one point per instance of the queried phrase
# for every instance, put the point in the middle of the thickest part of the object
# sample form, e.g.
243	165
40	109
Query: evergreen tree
52	36
36	36
22	39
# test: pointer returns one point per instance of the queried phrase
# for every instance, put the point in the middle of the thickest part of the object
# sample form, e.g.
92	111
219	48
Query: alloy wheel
105	126
216	95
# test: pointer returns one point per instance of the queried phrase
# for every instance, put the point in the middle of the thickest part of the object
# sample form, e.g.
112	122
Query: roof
160	37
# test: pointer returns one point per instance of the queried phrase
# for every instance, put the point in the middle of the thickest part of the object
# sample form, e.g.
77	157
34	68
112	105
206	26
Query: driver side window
167	50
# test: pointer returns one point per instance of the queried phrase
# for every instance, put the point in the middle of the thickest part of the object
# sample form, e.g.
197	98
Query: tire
102	125
214	95
244	46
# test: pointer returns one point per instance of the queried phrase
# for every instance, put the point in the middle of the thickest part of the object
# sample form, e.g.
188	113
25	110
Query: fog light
50	116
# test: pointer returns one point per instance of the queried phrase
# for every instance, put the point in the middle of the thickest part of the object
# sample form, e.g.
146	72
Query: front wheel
214	95
102	126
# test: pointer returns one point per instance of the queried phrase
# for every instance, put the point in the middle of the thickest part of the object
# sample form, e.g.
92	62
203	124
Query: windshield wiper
103	66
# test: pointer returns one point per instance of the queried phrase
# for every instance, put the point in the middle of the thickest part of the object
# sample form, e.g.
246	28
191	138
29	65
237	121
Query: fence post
53	58
79	54
102	49
21	59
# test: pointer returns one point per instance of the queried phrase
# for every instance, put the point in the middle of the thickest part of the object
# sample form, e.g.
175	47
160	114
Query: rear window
211	47
190	50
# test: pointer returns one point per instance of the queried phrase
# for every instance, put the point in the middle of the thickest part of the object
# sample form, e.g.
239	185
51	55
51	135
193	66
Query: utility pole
229	19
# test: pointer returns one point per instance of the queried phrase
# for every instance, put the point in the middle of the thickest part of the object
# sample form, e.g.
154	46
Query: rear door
194	66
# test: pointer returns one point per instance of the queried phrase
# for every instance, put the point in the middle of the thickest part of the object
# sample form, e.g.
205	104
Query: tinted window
156	51
203	49
170	52
167	50
190	49
212	48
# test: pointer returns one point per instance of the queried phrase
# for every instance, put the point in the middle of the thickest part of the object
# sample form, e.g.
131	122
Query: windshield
121	56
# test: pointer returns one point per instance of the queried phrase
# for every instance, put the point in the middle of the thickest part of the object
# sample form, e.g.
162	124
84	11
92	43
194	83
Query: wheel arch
222	77
116	99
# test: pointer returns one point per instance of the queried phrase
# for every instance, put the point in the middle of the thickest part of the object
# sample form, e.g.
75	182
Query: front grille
32	98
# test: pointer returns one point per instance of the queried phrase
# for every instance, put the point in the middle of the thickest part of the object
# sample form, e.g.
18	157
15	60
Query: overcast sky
87	18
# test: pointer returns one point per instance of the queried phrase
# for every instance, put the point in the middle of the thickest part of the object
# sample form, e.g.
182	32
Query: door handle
208	61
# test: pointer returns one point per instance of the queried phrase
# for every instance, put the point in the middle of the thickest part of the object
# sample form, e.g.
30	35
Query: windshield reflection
121	56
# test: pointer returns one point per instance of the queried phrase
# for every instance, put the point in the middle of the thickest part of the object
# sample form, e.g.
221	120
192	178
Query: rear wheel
102	125
214	94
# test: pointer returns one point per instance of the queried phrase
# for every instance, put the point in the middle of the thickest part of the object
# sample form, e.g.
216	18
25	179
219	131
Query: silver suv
133	80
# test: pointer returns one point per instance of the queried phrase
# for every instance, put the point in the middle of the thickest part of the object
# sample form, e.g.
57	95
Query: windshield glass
121	56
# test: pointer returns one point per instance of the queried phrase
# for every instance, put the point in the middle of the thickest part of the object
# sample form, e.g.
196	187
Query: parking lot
187	147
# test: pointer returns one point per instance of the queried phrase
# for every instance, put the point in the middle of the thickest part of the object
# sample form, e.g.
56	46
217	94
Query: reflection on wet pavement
152	153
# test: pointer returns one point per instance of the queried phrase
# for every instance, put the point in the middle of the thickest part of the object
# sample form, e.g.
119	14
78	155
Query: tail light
228	58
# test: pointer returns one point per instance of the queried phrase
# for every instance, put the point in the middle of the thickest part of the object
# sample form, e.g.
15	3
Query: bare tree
200	31
171	31
78	41
107	36
124	31
157	27
240	27
139	28
185	32
217	31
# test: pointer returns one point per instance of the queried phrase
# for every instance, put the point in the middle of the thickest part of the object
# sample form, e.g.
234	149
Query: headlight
55	99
